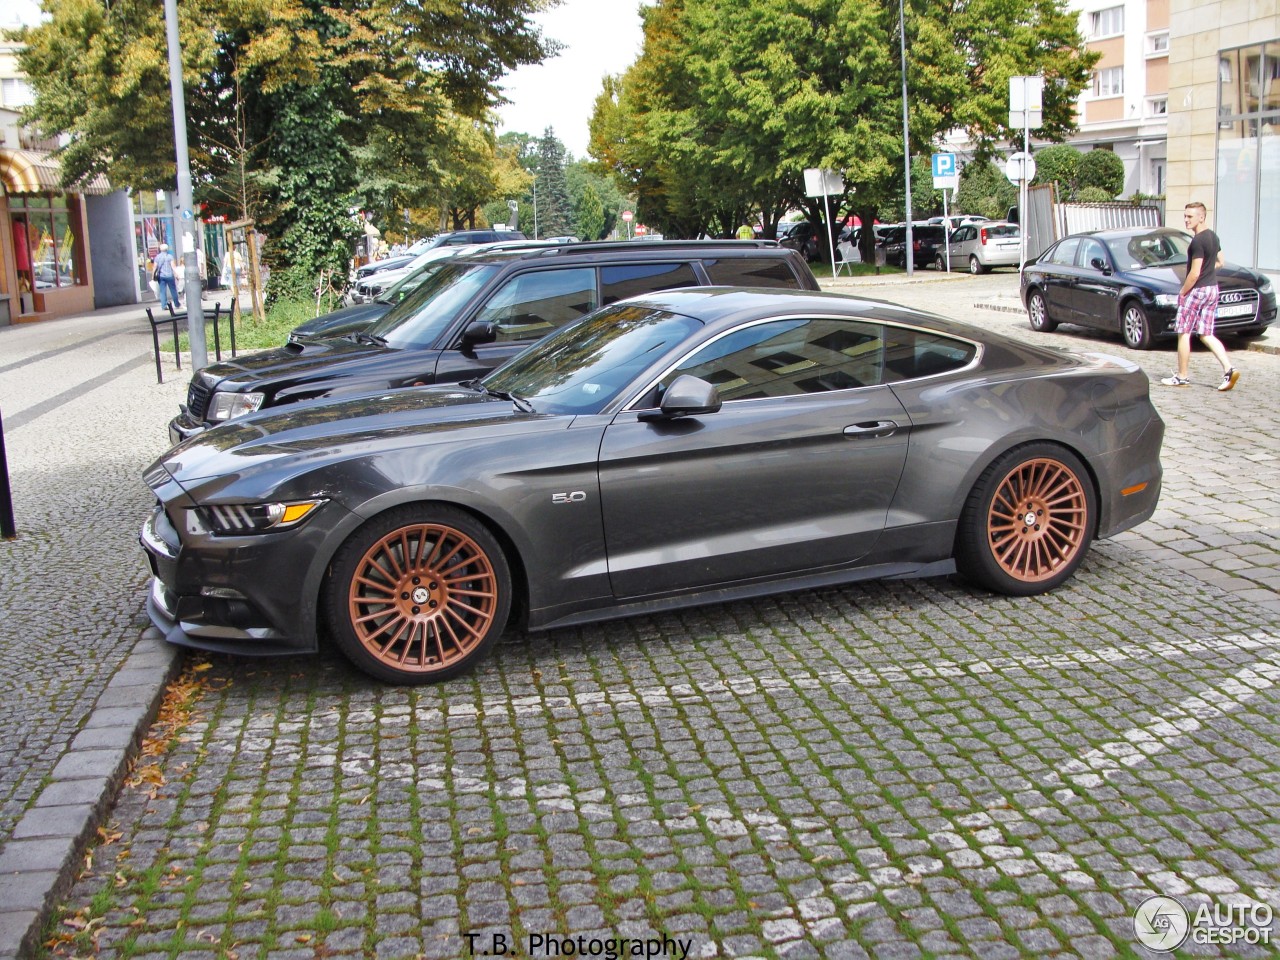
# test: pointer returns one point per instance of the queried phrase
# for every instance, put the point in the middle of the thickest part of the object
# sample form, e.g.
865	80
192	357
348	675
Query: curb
40	862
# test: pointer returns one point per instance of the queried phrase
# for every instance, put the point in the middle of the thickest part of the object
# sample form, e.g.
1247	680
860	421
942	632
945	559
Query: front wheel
418	594
1028	521
1136	327
1038	313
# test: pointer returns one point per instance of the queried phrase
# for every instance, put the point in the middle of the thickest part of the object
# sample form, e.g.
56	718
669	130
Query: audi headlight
238	519
1166	299
225	406
1266	288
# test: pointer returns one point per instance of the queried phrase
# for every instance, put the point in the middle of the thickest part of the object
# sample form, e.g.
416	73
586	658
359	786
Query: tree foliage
984	189
555	213
1104	170
729	103
1059	165
292	105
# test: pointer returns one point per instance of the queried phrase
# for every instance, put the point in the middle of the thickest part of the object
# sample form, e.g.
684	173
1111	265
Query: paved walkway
80	680
82	416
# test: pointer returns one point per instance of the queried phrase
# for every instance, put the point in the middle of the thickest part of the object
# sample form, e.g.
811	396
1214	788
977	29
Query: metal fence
1046	220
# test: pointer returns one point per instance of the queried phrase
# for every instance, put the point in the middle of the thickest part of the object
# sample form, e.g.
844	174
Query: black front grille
198	398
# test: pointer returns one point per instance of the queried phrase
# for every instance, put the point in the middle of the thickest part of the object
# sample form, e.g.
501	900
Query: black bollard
7	529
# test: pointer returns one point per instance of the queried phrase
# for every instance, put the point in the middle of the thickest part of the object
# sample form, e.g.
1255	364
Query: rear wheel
419	594
975	267
1038	313
1028	521
939	264
1135	326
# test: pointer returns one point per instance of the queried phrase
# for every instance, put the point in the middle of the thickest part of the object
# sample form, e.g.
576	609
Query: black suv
474	312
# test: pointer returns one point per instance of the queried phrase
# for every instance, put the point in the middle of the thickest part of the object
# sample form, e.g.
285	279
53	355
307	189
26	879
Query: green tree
1059	165
290	103
729	103
1104	170
555	213
985	190
589	216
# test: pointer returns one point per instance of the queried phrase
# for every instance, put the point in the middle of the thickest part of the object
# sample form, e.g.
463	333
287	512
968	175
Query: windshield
1164	248
582	367
420	318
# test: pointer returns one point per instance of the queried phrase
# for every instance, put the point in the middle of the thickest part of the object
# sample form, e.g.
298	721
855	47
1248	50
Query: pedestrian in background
746	233
166	282
1198	301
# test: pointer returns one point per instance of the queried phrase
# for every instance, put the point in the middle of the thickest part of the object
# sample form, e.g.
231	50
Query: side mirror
688	396
1099	264
478	332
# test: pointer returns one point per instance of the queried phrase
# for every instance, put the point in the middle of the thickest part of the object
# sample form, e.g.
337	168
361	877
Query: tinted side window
531	305
1065	252
783	358
751	272
1090	250
917	353
629	280
963	234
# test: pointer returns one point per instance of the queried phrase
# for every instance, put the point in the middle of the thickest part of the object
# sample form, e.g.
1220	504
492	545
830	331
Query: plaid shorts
1197	311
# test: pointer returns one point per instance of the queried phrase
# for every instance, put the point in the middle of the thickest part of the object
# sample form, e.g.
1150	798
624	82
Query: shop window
45	241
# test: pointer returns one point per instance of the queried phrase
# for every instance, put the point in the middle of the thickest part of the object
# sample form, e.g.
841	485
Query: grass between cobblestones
870	770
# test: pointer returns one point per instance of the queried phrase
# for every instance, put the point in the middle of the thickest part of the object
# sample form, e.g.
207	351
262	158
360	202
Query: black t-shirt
1205	245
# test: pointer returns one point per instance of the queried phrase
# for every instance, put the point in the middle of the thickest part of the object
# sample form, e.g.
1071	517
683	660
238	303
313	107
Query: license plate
1236	310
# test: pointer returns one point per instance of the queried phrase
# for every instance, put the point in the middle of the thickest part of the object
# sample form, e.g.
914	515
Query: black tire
997	548
1135	326
939	264
975	266
418	594
1038	313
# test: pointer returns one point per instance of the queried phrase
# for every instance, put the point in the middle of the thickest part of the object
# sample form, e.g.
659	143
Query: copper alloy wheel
422	598
1037	521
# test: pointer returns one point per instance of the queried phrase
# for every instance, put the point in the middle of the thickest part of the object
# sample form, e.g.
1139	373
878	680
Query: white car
977	247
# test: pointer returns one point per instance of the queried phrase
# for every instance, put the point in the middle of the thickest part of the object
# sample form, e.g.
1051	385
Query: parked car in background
957	220
454	238
372	287
926	240
1127	281
800	235
978	247
378	266
687	447
474	312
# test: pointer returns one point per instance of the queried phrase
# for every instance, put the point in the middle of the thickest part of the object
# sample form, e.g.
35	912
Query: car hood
1169	279
306	436
296	360
340	322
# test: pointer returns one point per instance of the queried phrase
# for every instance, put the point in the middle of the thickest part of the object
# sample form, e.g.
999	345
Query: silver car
977	247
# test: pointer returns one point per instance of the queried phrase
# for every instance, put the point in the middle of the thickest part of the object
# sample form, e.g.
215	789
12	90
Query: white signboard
822	182
945	174
1020	167
1026	102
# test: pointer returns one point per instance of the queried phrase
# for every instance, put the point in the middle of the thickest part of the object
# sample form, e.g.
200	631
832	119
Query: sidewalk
82	417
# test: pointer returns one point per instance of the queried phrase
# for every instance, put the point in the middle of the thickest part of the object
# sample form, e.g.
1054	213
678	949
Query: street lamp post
193	283
906	135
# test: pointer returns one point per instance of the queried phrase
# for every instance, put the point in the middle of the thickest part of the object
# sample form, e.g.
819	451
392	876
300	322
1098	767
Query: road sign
1026	102
1020	167
945	175
627	215
822	182
641	229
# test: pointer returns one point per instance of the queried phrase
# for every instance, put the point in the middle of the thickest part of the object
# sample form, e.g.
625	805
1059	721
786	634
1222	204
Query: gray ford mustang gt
688	447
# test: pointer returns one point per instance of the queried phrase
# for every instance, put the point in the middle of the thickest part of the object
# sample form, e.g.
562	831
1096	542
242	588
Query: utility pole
193	283
906	136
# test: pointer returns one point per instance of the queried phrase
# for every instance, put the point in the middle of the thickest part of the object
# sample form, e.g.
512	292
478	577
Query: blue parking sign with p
944	164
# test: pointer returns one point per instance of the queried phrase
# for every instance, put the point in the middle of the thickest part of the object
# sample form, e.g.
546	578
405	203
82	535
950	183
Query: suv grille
198	397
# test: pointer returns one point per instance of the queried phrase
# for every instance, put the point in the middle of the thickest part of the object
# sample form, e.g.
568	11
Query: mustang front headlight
238	519
226	405
1166	299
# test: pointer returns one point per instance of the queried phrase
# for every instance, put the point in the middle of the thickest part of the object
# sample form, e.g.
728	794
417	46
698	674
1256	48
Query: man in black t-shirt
1198	301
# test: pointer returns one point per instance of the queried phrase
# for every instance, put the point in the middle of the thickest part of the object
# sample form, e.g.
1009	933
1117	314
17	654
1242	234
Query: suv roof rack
547	248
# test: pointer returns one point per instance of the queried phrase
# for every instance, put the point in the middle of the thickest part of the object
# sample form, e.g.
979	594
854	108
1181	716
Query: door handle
872	428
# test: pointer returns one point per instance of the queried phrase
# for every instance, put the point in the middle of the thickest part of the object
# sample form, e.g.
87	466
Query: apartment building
1224	122
1126	108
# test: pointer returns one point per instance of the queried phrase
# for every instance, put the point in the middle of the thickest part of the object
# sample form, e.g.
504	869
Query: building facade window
1106	23
1158	44
1247	162
1108	82
16	92
1157	106
45	241
152	225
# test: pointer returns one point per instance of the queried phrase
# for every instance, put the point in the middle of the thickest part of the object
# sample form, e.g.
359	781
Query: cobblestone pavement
897	769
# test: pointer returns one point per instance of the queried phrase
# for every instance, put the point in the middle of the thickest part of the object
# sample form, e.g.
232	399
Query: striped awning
33	171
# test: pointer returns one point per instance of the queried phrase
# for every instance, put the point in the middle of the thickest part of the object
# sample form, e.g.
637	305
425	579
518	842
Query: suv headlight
1166	299
226	405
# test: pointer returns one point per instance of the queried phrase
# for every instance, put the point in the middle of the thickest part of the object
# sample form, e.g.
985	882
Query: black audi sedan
693	446
1127	281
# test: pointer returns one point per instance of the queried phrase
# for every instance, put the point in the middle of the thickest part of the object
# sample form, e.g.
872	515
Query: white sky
600	37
